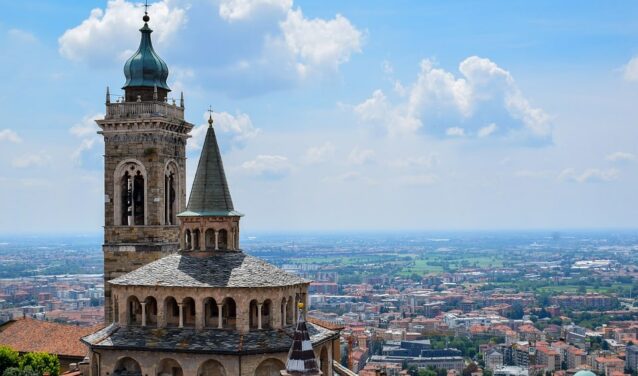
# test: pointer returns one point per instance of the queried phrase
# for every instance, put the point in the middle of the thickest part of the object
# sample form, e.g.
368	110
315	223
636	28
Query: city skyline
425	116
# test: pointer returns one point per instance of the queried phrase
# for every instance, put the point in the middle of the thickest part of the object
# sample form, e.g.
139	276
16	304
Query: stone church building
182	299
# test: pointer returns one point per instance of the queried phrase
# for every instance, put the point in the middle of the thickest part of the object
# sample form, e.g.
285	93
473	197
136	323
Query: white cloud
86	127
483	89
318	43
268	166
487	130
630	71
621	156
239	128
360	156
10	136
237	10
86	131
455	132
318	154
377	110
85	145
32	160
22	36
239	125
112	33
589	175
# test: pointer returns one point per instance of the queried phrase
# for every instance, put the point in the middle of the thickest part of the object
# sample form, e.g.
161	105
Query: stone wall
152	143
192	364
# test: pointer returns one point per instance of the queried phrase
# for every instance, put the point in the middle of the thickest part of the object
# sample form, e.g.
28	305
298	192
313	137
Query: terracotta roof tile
28	335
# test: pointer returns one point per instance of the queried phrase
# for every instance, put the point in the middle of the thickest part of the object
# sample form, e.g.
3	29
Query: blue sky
340	115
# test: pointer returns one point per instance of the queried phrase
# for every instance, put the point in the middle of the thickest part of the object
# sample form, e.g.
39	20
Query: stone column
143	304
181	314
259	315
275	314
193	240
161	312
123	313
231	240
220	323
200	315
216	240
283	319
202	240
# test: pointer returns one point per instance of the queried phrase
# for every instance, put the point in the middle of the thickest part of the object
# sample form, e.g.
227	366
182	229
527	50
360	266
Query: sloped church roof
218	269
210	195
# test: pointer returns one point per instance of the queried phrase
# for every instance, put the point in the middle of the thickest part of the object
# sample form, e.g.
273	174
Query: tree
517	311
427	372
15	371
41	363
470	369
9	358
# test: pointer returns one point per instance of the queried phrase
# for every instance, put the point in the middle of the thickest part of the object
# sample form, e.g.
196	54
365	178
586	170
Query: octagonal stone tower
144	167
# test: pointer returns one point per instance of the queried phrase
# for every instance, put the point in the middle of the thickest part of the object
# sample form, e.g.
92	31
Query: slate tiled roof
209	269
28	335
210	195
209	341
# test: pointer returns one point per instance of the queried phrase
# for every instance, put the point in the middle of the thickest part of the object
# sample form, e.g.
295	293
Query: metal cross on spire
210	116
145	6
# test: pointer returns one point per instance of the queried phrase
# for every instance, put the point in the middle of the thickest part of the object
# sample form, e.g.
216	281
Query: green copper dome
145	68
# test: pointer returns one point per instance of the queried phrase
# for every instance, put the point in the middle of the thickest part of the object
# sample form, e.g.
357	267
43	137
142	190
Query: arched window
171	312
211	313
223	239
133	311
211	368
209	239
266	314
229	313
130	194
151	311
188	310
170	194
196	236
127	367
169	367
270	367
253	318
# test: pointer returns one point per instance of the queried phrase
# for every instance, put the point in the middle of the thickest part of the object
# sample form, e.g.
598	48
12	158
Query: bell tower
144	167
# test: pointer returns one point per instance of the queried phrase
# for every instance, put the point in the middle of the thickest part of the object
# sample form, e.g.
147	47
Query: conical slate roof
210	195
301	357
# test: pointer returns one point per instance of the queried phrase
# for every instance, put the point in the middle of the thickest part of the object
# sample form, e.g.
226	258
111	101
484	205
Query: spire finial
210	116
146	18
181	99
108	96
